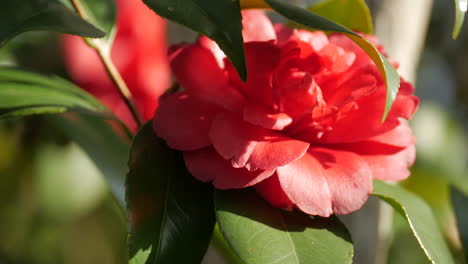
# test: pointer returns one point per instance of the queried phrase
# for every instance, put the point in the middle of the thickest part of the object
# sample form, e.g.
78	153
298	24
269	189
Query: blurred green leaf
68	183
460	204
24	93
311	20
460	9
104	146
171	212
420	219
259	233
220	20
353	14
50	15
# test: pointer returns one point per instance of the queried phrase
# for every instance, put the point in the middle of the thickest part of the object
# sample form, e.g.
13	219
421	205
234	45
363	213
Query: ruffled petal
327	181
198	72
251	146
206	165
258	115
367	112
388	155
391	167
257	26
183	121
400	136
262	58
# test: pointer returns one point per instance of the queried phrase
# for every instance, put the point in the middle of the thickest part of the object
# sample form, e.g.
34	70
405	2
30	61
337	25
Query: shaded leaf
311	20
25	93
420	219
460	204
259	233
50	15
460	10
353	14
220	20
171	212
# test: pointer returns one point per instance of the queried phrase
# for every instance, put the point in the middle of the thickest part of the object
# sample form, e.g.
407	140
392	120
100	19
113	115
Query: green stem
112	72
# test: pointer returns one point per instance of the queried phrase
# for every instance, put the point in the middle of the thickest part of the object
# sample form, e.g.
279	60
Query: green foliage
353	14
420	219
24	93
460	202
259	233
50	15
460	10
101	13
220	20
107	149
311	20
171	212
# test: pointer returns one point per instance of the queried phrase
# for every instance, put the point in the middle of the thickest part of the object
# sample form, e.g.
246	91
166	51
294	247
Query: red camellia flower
304	129
140	54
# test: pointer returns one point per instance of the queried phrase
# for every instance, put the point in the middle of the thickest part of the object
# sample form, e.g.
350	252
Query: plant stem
384	230
104	55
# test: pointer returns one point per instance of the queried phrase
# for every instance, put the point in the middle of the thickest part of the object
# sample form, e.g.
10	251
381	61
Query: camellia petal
326	181
257	26
271	190
251	146
304	182
205	81
183	121
206	165
260	116
391	167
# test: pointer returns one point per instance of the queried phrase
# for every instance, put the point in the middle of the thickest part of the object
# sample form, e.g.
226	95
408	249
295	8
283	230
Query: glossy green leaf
311	20
220	20
107	149
420	219
460	10
50	15
353	14
171	212
259	233
25	93
460	205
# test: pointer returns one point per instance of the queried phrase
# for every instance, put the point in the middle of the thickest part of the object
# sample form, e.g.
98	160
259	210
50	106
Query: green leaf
311	20
104	146
420	219
259	233
460	202
220	20
460	9
102	13
171	212
25	93
51	15
353	14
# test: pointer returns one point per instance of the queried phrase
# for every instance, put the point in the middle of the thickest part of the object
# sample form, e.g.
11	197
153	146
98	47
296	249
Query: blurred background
57	206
